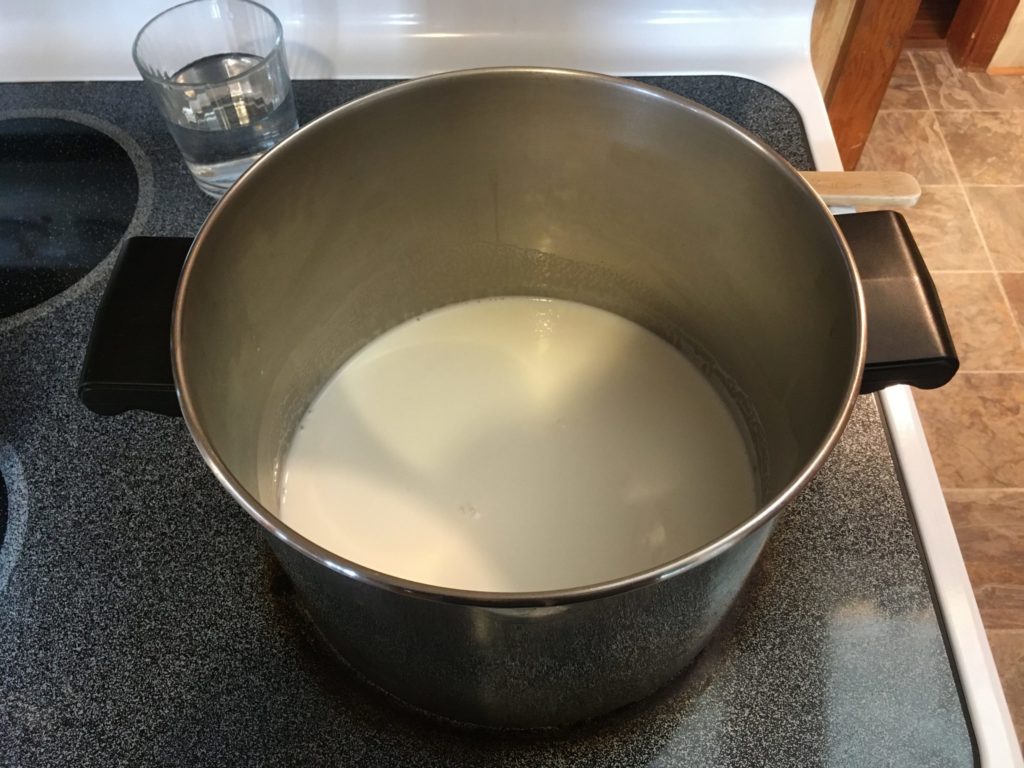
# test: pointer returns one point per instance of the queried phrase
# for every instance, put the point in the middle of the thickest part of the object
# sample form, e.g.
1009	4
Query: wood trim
932	21
977	30
1006	70
864	70
830	28
917	44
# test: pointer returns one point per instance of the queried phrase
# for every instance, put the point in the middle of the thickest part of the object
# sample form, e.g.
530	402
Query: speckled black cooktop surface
143	621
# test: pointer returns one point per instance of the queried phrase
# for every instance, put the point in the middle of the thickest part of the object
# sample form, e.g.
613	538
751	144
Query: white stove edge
763	40
993	728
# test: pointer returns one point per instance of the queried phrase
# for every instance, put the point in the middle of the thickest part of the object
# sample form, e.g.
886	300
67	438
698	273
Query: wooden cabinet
855	45
854	62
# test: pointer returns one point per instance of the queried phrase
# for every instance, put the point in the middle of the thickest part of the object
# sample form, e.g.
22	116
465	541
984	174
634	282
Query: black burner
67	195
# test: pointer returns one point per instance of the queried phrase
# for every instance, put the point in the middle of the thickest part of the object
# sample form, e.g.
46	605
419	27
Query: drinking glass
217	72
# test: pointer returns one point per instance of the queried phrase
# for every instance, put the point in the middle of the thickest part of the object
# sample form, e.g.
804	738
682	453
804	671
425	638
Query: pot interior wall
517	183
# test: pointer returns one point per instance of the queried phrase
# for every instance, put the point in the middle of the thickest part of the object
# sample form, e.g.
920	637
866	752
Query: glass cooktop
145	621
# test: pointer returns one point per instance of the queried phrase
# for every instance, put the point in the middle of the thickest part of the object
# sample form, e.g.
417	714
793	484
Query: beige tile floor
962	135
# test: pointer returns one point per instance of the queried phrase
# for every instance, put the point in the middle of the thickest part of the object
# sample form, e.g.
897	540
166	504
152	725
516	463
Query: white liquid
516	444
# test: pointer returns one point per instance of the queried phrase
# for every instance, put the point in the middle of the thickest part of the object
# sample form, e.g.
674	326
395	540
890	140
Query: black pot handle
908	339
128	363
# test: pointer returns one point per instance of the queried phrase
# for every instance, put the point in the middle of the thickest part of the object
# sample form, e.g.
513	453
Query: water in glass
230	118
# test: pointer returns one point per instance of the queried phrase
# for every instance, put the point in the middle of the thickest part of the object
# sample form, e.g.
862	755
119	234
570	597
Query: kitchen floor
962	135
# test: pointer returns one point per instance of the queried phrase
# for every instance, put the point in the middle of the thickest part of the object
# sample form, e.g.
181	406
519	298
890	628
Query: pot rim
765	514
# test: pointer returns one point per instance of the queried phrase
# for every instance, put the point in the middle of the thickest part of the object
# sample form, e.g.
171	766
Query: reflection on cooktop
69	194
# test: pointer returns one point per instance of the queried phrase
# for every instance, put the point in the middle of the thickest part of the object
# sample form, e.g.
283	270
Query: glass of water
217	72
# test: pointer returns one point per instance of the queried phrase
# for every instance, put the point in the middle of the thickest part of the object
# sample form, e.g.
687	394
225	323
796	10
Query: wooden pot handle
892	189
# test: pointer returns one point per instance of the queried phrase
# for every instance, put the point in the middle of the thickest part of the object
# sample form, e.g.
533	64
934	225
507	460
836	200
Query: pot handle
128	361
908	338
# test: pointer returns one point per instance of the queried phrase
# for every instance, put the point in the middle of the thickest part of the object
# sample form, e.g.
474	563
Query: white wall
1010	53
91	40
